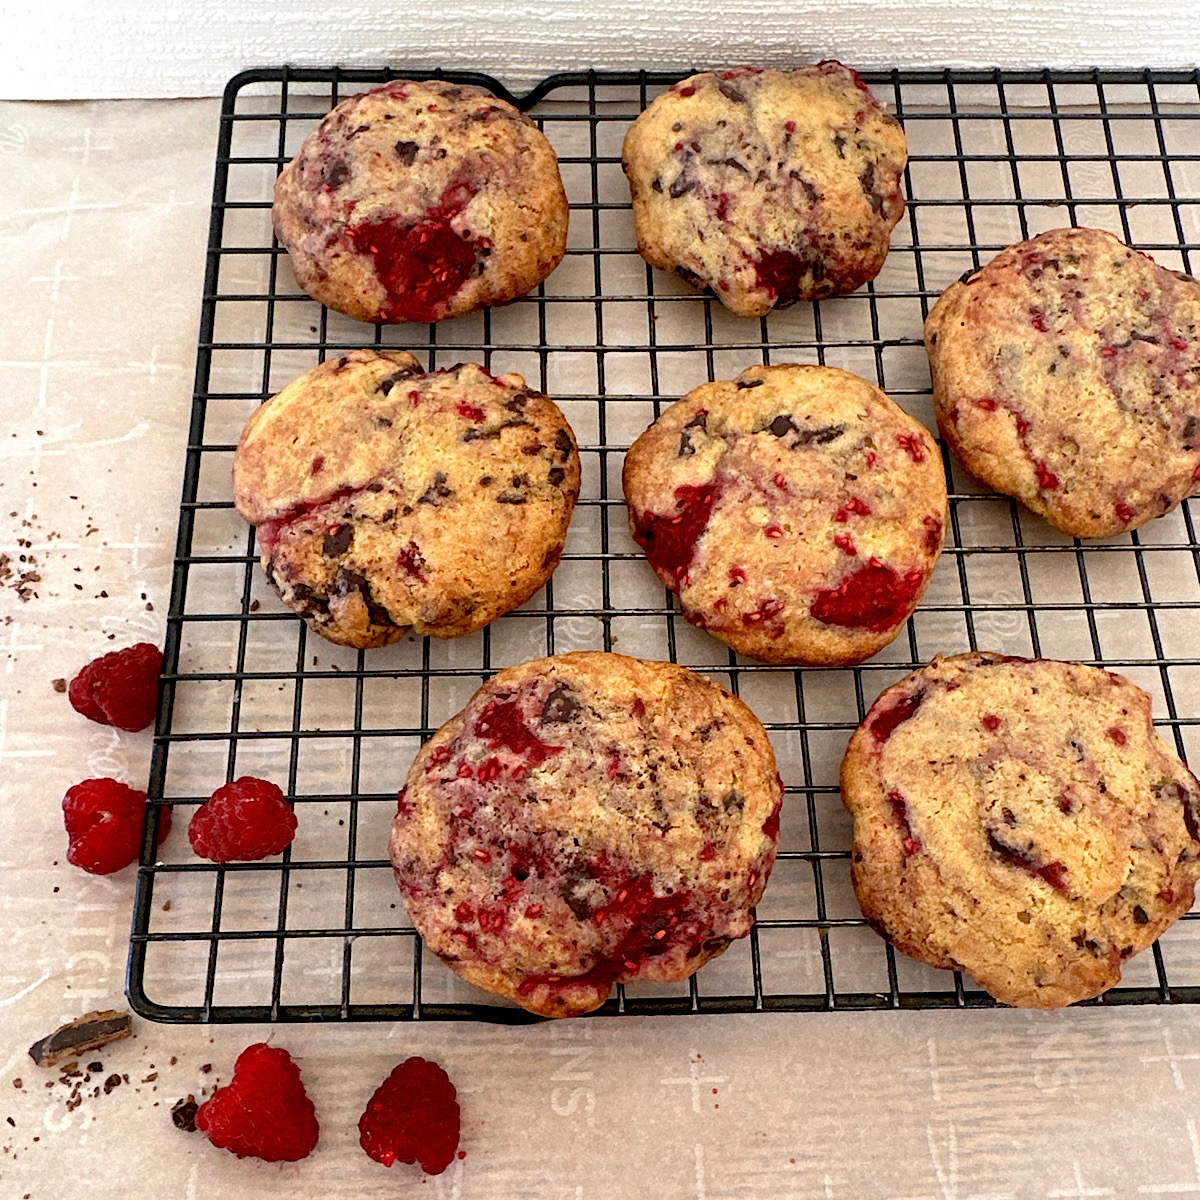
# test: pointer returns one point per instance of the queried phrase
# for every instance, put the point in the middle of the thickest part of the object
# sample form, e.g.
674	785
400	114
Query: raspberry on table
120	688
104	820
412	1117
243	821
264	1111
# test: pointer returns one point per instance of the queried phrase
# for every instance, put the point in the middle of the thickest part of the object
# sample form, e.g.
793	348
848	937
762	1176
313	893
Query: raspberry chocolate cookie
796	511
388	500
767	186
1020	819
421	201
587	819
1066	373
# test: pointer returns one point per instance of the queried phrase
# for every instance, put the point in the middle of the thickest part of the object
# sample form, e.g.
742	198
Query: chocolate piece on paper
89	1032
183	1114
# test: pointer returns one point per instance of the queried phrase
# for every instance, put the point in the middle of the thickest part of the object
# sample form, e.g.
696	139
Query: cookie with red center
1066	373
767	186
1020	819
587	819
419	201
796	511
389	500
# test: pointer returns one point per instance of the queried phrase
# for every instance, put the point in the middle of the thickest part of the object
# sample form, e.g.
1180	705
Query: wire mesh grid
320	933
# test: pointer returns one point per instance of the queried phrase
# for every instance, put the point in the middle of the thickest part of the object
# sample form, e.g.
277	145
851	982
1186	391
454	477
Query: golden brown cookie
796	511
421	201
1066	373
1021	820
388	500
767	186
587	819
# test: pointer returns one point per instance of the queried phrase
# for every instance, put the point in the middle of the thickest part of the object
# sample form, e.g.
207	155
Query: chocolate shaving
699	421
348	581
337	541
336	173
560	706
90	1032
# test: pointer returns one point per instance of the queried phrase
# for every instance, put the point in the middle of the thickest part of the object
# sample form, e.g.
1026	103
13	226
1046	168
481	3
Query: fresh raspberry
104	820
264	1111
120	688
243	821
413	1117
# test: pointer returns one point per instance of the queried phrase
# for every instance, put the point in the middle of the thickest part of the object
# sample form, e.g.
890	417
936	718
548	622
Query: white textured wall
74	49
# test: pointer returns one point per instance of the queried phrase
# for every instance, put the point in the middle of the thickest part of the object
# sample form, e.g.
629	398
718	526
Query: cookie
388	501
1066	373
1020	819
796	511
421	201
767	186
587	819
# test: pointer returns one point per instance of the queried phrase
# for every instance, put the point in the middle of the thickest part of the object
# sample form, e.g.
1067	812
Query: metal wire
319	934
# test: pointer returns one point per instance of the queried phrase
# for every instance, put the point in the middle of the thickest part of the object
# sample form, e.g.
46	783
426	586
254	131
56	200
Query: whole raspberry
412	1117
264	1111
243	821
104	820
120	688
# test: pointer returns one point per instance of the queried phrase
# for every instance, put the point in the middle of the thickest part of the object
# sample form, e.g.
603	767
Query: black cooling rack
320	934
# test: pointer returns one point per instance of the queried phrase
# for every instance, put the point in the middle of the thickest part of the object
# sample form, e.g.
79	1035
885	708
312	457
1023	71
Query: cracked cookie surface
390	500
587	819
1020	819
1066	373
420	201
796	511
767	186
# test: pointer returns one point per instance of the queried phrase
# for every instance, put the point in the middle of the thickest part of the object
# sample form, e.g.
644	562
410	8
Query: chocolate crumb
111	1082
59	685
183	1114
